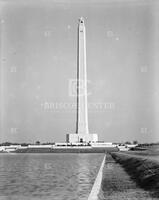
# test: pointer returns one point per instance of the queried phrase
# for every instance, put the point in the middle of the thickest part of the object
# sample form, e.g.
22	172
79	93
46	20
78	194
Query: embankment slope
143	170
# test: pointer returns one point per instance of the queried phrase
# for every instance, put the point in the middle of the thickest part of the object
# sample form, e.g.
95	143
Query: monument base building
73	138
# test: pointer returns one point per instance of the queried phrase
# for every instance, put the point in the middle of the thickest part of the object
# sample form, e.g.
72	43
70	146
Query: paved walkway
117	184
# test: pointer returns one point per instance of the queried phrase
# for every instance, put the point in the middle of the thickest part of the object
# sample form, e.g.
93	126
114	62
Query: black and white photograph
79	99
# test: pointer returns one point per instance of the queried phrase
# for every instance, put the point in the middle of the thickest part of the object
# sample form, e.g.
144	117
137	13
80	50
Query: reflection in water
83	176
47	176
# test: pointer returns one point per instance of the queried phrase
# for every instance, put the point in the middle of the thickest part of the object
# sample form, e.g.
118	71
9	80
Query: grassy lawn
142	168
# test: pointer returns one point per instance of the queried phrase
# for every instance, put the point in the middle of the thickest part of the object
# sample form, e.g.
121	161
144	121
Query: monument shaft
82	108
82	132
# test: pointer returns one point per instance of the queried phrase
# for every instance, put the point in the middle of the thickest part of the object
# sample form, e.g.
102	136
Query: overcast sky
38	68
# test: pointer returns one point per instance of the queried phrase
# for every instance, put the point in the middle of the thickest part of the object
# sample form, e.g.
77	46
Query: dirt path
117	184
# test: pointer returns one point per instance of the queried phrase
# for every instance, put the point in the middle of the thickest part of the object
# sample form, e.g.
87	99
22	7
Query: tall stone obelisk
82	132
82	108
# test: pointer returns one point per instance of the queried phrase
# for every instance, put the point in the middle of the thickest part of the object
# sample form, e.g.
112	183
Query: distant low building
103	144
123	148
40	146
10	148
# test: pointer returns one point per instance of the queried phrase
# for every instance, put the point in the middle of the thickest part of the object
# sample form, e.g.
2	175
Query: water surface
47	176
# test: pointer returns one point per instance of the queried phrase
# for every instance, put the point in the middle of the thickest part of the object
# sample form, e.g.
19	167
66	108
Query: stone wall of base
73	138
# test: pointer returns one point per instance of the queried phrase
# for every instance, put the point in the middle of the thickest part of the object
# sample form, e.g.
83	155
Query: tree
127	142
37	142
135	142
